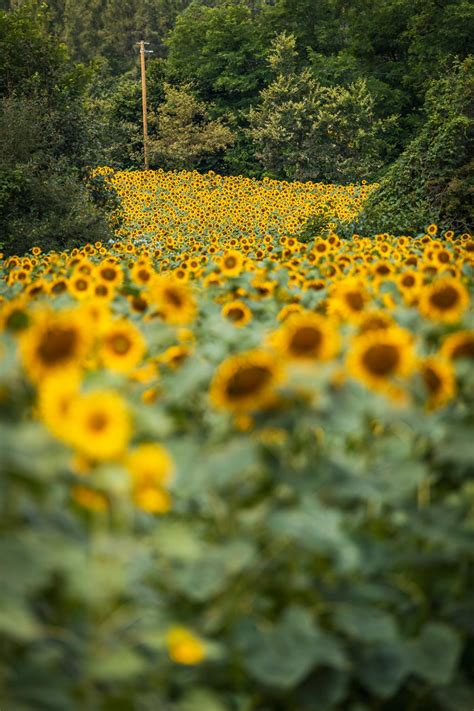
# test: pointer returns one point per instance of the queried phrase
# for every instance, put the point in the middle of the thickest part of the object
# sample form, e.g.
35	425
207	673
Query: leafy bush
432	180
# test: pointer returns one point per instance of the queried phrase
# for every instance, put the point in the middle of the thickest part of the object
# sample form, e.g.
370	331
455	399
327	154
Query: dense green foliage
46	142
305	131
433	178
353	102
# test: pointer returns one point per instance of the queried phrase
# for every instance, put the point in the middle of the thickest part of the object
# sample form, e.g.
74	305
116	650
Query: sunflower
100	425
151	469
142	273
79	286
54	341
348	299
173	300
376	357
14	315
175	356
374	320
306	336
90	499
459	345
246	381
444	300
439	380
122	346
56	394
109	272
102	290
58	286
237	312
409	284
288	310
231	263
184	647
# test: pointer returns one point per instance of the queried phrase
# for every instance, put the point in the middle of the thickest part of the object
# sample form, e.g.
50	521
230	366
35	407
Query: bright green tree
305	131
185	135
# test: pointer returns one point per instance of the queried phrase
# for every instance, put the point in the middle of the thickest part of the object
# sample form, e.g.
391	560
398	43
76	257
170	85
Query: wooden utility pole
144	106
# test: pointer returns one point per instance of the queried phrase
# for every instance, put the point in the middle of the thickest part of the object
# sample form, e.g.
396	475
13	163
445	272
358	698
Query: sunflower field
237	470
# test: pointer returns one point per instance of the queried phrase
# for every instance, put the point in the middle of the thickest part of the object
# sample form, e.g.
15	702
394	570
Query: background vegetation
339	90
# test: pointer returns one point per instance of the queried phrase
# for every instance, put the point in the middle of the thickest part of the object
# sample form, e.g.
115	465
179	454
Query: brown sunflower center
81	284
97	421
139	304
374	323
143	275
120	343
355	300
445	298
57	345
408	280
59	287
431	379
230	262
306	340
235	314
381	359
173	297
248	380
108	274
464	349
101	290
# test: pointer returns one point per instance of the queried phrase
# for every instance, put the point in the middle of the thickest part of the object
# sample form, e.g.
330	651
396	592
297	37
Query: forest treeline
333	90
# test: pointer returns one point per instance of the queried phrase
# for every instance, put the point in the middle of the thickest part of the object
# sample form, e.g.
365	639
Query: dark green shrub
432	179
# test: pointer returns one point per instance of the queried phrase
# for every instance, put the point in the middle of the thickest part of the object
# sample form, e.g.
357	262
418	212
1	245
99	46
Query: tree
432	181
220	49
185	134
44	139
305	131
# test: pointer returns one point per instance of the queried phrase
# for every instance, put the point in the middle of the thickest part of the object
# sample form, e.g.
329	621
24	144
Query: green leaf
283	655
201	699
116	664
365	623
17	621
381	667
202	578
436	652
317	529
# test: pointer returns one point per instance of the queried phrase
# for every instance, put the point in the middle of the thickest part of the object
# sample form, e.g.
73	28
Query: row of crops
237	468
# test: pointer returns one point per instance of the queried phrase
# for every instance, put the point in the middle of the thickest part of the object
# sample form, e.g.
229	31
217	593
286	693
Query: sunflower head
100	425
173	300
458	346
55	341
122	346
237	312
439	381
231	263
378	357
306	336
444	300
245	382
